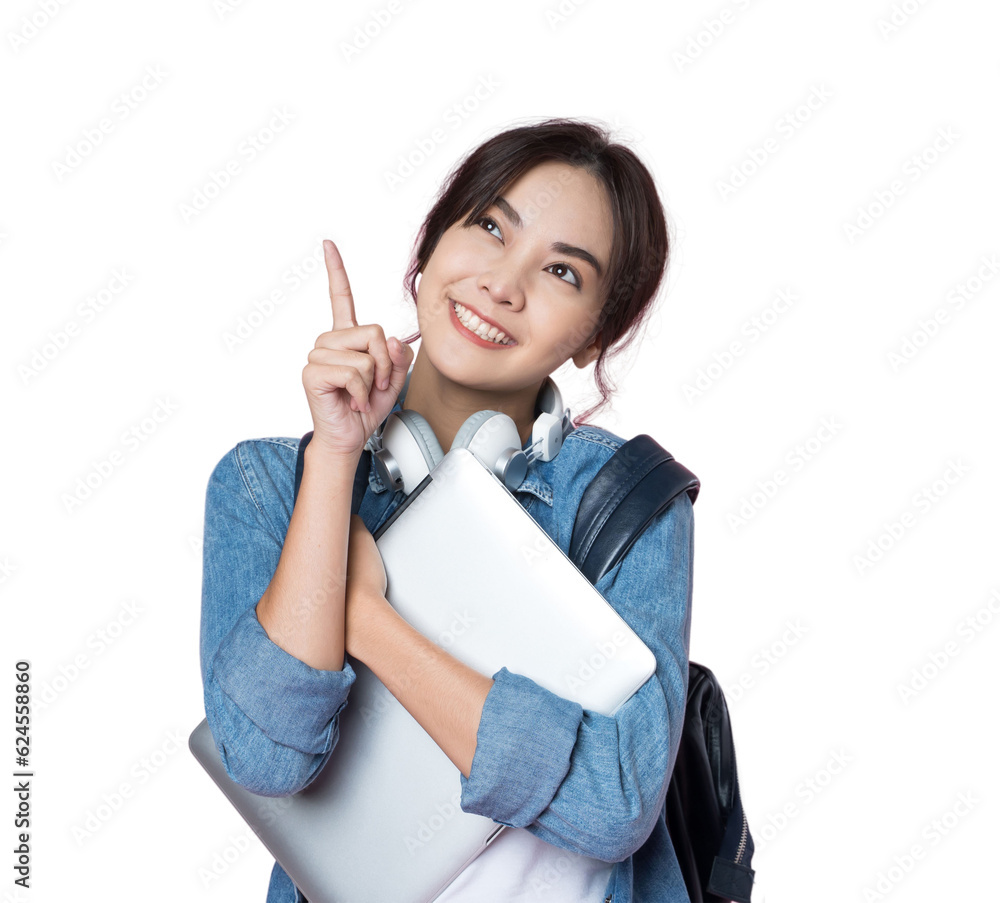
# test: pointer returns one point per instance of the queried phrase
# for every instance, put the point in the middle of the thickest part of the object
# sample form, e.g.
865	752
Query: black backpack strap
360	475
635	484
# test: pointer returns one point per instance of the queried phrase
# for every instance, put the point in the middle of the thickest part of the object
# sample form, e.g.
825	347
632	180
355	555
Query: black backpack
704	815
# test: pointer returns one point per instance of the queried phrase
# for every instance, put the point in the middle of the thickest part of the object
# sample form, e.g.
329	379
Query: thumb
402	357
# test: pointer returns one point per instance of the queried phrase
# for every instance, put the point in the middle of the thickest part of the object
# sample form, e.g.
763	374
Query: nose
503	286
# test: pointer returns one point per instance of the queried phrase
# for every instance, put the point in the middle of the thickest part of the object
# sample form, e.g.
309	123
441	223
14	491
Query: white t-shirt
518	866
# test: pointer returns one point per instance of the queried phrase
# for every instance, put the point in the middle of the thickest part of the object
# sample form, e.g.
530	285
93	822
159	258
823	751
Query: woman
556	238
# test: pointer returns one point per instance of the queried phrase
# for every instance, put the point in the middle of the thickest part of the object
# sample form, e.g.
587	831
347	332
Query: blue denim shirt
585	782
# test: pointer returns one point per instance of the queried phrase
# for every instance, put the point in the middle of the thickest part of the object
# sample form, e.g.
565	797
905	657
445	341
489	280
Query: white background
794	581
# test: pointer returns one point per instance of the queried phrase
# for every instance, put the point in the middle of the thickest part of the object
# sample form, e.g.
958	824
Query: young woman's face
533	267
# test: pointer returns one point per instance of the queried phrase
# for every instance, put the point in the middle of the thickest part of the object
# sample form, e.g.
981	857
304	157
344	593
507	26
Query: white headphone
405	450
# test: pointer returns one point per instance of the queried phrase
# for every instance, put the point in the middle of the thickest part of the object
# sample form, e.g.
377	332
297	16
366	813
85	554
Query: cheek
577	330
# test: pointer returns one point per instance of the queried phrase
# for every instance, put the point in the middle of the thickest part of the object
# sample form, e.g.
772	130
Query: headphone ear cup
423	437
493	438
467	431
550	398
415	451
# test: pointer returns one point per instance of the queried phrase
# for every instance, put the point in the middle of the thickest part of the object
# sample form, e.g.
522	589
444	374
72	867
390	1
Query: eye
568	269
486	219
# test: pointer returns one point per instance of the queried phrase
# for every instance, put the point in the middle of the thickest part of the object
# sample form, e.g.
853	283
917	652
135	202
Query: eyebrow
560	247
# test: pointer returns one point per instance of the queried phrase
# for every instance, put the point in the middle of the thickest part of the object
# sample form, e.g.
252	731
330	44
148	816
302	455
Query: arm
445	696
302	609
586	782
272	749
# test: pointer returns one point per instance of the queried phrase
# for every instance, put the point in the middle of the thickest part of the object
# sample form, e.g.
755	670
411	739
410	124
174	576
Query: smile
480	331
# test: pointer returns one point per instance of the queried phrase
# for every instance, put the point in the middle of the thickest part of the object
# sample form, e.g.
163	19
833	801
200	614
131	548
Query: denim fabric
581	781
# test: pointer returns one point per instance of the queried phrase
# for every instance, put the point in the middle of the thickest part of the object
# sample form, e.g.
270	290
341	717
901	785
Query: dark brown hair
639	246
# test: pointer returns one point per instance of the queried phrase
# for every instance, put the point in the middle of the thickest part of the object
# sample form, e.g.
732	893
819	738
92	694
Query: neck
446	405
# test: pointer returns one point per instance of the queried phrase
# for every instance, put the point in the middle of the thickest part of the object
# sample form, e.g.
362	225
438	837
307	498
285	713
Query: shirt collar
533	483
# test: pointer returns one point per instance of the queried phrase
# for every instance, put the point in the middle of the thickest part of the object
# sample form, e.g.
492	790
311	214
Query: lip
471	335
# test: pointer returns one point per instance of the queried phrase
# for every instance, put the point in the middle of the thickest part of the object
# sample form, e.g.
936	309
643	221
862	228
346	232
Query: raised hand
354	375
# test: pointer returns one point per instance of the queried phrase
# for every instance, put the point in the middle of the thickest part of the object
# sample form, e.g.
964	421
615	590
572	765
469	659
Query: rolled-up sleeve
591	783
273	717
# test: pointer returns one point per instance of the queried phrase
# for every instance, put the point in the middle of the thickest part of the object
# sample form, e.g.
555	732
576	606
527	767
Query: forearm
302	609
444	696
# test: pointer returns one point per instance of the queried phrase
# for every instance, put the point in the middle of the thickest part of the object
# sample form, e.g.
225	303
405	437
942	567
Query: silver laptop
470	569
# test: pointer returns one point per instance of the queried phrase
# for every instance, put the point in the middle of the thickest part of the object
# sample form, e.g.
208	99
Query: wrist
322	456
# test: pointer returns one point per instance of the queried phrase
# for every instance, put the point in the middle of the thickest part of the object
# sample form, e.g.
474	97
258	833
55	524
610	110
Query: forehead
553	185
556	196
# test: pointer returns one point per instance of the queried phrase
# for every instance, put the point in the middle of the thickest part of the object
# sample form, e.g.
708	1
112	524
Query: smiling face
531	267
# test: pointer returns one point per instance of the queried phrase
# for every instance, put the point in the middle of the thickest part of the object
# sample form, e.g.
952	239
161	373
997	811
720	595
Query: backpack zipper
744	831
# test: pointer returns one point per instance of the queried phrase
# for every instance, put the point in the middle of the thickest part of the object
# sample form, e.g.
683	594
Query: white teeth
480	327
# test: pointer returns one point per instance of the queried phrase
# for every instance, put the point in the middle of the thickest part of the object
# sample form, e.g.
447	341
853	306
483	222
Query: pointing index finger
341	299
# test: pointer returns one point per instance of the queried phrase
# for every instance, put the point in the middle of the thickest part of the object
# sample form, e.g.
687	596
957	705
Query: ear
589	353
